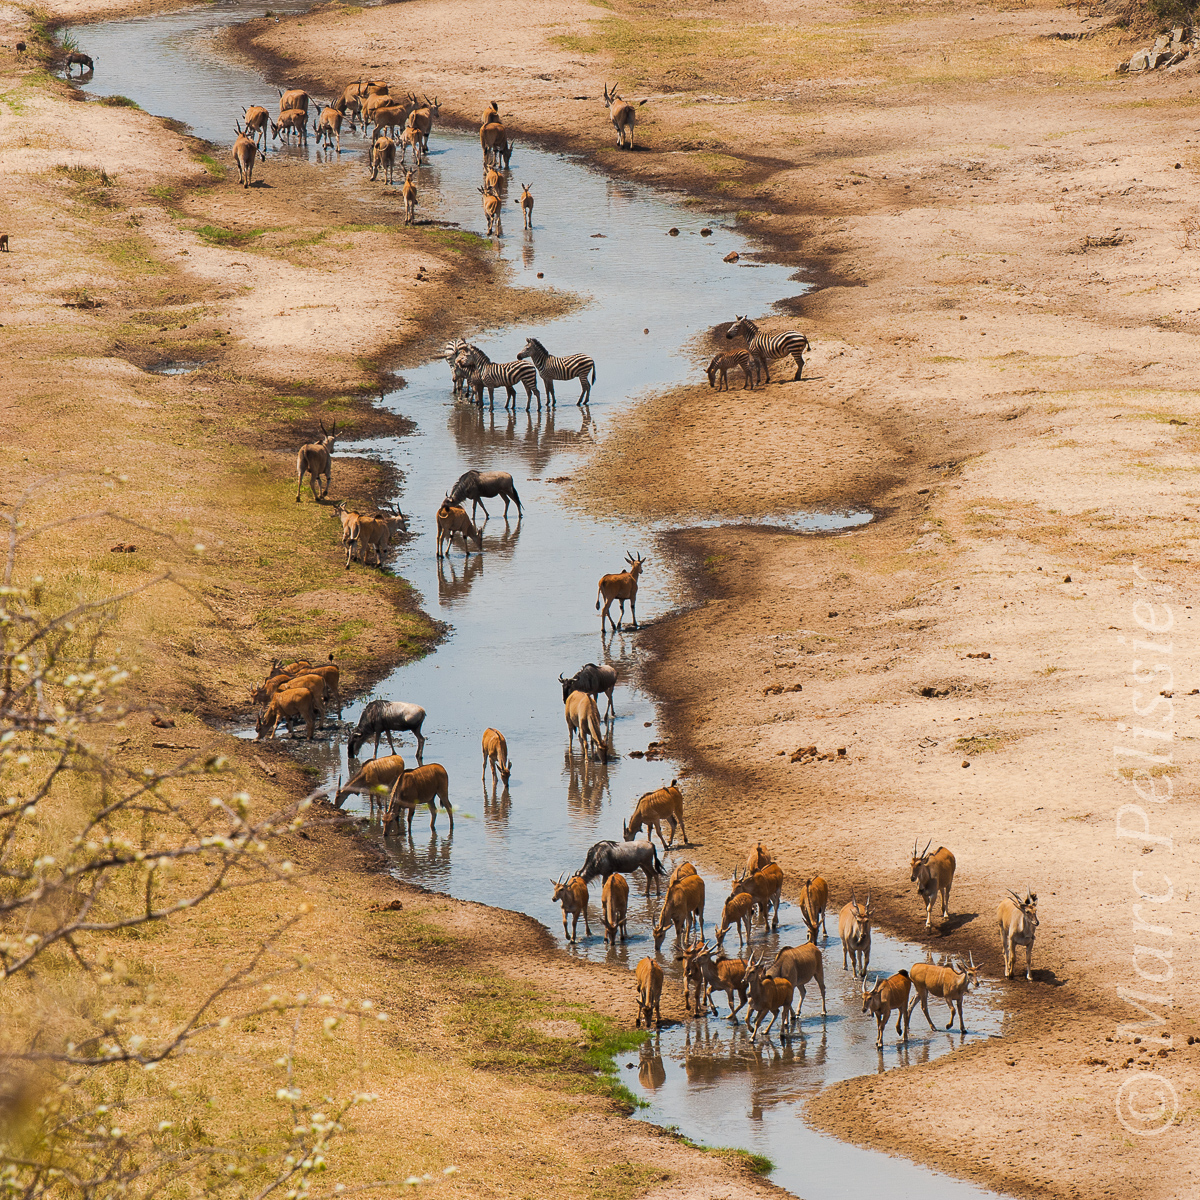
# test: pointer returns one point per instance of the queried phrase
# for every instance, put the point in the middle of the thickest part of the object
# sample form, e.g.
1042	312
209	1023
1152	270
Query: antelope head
918	860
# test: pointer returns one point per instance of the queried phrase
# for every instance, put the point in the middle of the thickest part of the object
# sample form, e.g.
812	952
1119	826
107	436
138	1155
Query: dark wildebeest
477	486
605	858
382	718
593	680
80	60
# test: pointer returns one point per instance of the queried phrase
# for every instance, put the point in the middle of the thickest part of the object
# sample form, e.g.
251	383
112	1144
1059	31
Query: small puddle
175	367
523	610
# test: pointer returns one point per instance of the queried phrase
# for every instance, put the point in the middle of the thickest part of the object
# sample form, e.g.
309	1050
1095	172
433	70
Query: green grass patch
210	164
214	235
347	631
133	254
985	743
119	102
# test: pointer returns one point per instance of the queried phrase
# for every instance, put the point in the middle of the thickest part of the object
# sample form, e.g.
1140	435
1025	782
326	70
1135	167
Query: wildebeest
665	803
933	874
606	857
592	679
1018	920
478	486
382	718
78	59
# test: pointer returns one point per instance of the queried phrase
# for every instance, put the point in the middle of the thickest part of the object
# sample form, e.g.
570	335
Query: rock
732	256
1066	579
672	232
645	331
162	722
541	275
966	763
981	654
1139	62
706	232
833	613
841	752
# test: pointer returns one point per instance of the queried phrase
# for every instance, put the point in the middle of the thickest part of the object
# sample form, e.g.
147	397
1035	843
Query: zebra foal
550	368
763	347
482	373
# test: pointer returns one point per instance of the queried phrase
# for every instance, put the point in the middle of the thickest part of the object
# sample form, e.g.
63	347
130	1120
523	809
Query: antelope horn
972	960
868	900
927	845
914	849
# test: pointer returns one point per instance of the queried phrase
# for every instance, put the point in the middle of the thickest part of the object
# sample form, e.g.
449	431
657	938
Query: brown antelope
621	586
814	899
409	192
769	993
374	781
347	517
800	964
492	114
309	680
584	717
295	120
1018	920
888	994
722	974
614	903
491	209
495	751
423	785
621	114
722	364
286	705
766	886
758	858
257	119
573	896
683	907
374	87
649	976
422	115
245	151
295	98
383	154
738	910
315	459
527	205
491	178
854	928
329	126
451	520
353	95
411	137
374	102
388	116
663	804
933	874
682	871
950	983
494	142
369	535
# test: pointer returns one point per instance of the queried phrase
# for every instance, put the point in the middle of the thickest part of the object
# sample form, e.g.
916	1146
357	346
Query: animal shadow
954	923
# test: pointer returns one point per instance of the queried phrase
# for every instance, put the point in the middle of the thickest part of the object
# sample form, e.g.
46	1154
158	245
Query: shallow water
523	611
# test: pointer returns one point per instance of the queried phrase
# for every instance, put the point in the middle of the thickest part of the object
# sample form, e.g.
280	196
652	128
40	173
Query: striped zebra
764	347
574	366
482	373
450	353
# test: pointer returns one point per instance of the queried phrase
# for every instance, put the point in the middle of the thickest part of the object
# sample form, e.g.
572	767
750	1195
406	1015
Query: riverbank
1000	229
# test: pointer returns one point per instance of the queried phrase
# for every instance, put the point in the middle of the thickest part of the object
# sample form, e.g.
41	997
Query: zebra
482	373
765	346
574	366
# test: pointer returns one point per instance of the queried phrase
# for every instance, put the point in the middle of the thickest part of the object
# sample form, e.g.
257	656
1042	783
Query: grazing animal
257	119
409	192
493	112
495	751
550	368
738	910
527	205
453	520
1018	921
382	718
649	976
245	151
765	347
814	899
329	127
78	59
376	777
478	486
286	705
683	907
614	903
294	98
854	928
652	809
627	857
621	586
933	874
722	364
758	858
371	534
422	785
573	896
491	209
766	886
769	993
383	154
801	964
950	983
721	974
583	717
592	679
295	120
621	114
888	994
494	143
308	679
315	460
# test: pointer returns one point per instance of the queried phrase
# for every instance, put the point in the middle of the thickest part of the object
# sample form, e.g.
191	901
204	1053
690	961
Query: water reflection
534	436
651	1072
587	783
456	577
424	859
496	807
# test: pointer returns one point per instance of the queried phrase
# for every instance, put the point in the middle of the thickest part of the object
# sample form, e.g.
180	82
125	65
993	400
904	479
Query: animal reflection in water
535	437
422	860
651	1072
456	577
497	803
587	783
